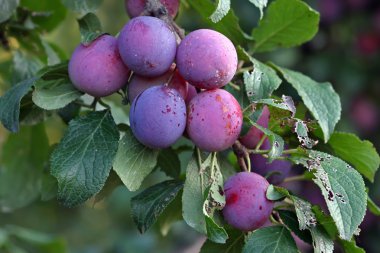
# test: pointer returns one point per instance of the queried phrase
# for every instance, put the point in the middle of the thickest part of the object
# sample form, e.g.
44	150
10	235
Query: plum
254	135
247	207
97	69
191	92
278	169
214	120
147	46
206	59
140	83
135	7
158	116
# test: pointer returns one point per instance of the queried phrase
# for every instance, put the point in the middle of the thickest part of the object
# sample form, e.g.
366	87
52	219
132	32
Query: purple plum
158	116
254	135
207	59
247	207
97	69
214	120
147	46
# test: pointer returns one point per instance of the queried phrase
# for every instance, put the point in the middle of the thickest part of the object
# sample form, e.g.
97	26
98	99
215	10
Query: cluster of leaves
96	154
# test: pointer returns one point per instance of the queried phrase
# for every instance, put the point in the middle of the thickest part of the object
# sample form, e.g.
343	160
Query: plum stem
104	104
242	70
156	9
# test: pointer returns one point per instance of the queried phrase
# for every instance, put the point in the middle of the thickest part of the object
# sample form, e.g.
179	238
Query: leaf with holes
133	161
83	159
337	180
261	4
148	205
302	130
360	154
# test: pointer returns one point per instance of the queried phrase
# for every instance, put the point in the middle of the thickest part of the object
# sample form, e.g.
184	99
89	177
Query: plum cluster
166	76
176	87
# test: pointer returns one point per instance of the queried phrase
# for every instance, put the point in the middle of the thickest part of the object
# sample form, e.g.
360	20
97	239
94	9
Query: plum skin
140	83
97	69
254	135
247	207
135	7
206	59
214	120
261	166
147	46
158	117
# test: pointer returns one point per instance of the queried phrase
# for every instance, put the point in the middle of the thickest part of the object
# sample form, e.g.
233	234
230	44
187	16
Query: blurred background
345	52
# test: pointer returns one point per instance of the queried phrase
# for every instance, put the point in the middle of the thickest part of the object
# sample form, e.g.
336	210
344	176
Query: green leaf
24	66
54	94
343	189
82	6
285	103
23	158
221	10
192	198
351	247
148	205
49	187
276	141
215	233
53	12
275	239
290	220
169	162
10	104
234	244
83	159
133	161
373	208
113	181
360	154
7	7
52	56
90	28
229	25
287	23
326	221
276	193
171	214
261	4
302	130
320	98
268	82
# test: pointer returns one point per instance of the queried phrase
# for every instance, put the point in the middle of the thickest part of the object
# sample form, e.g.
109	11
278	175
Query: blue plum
254	135
147	46
247	207
214	120
97	69
158	117
207	59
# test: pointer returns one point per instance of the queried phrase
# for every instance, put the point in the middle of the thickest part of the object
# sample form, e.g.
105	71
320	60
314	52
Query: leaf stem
295	178
242	70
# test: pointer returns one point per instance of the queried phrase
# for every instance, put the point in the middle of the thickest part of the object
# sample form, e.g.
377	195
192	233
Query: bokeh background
346	52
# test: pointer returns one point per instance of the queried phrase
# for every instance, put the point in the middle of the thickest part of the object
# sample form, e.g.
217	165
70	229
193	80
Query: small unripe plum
97	69
147	46
158	116
247	207
254	135
207	59
140	83
135	7
214	120
278	169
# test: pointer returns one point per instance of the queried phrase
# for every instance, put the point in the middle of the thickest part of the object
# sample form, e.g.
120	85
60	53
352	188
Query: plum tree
158	116
97	69
277	170
214	120
140	83
207	59
254	135
247	207
147	46
135	7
